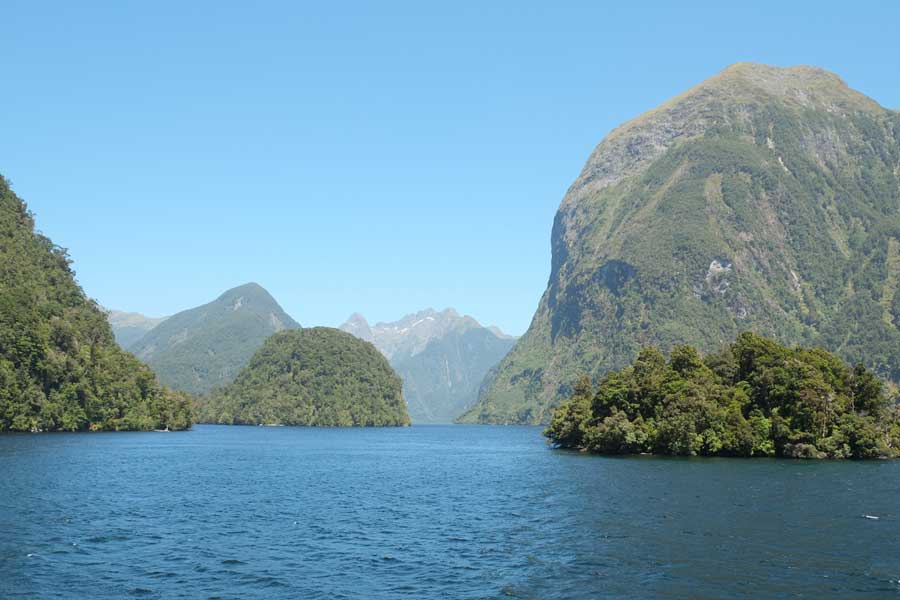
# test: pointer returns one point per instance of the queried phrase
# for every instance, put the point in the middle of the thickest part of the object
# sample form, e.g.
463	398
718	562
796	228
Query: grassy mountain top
726	100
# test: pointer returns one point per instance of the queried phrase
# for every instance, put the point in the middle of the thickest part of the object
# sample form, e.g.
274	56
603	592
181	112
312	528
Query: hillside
204	347
764	199
318	377
60	367
129	327
442	358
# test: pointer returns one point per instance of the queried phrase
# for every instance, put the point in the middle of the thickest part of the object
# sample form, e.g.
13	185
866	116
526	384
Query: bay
431	512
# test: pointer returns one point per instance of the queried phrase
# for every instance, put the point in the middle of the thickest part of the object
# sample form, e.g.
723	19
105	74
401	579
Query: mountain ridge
129	327
441	356
203	347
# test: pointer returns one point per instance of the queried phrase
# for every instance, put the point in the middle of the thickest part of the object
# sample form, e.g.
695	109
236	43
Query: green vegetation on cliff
318	377
765	199
754	398
60	368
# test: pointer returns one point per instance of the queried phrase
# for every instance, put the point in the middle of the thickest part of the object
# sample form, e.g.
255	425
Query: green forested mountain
754	398
129	327
60	368
319	377
442	358
198	349
765	199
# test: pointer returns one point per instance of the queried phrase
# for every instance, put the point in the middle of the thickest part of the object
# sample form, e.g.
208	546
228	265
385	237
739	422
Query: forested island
316	377
755	397
60	367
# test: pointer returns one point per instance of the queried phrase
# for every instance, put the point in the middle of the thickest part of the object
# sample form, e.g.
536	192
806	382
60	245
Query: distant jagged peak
357	318
358	326
410	334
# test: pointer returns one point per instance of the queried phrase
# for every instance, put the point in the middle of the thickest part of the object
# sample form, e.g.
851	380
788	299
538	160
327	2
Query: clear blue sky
378	157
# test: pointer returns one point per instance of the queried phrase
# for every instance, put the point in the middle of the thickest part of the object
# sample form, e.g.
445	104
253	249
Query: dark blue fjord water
430	512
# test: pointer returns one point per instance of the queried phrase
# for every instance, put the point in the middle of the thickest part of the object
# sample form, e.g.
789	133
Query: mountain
198	349
129	327
60	367
318	377
441	357
764	199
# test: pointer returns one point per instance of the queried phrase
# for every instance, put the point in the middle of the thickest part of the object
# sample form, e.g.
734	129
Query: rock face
764	199
198	349
442	358
315	377
129	327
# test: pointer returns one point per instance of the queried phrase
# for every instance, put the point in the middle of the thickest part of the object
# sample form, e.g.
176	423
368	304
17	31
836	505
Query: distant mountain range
204	347
442	358
129	327
765	199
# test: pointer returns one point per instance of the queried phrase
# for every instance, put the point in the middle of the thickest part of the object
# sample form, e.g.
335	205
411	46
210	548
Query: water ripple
430	512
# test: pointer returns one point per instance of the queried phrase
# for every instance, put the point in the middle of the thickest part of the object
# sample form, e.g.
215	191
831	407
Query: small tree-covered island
60	368
314	377
755	397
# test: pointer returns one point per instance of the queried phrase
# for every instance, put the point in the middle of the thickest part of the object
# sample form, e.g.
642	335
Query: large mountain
764	199
317	377
60	367
204	347
129	327
442	358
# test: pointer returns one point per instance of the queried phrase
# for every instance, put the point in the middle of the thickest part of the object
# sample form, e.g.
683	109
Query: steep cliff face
764	199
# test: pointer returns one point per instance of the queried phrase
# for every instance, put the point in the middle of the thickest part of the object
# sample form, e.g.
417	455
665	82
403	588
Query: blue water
430	512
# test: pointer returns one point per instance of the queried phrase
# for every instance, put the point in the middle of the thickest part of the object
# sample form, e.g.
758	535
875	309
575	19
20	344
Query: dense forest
60	368
318	377
755	397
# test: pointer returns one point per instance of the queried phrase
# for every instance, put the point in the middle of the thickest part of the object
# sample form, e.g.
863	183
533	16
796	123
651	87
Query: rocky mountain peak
726	100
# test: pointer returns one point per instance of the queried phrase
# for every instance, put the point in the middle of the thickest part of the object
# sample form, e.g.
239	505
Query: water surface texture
430	512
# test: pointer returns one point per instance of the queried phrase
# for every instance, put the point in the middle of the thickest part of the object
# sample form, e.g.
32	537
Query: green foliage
318	377
755	398
60	368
